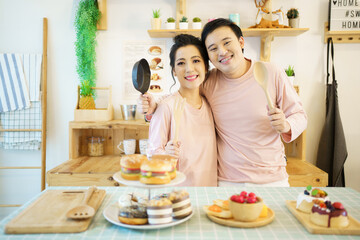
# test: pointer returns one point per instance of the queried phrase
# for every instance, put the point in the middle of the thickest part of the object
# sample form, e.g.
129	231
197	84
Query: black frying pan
141	76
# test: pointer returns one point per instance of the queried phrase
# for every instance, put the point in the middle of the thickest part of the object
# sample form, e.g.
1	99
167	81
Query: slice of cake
329	215
305	199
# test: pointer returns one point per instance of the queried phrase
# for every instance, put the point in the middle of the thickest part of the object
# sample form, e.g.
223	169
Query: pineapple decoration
87	17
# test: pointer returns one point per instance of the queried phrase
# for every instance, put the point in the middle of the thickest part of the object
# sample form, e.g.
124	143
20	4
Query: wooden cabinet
82	170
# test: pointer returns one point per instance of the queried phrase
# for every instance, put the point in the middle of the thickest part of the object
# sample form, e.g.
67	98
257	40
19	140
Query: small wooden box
92	115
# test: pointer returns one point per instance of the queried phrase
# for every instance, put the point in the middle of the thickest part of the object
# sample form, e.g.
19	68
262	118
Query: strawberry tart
329	215
305	199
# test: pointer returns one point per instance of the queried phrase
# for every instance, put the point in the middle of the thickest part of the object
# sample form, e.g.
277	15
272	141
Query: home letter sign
344	15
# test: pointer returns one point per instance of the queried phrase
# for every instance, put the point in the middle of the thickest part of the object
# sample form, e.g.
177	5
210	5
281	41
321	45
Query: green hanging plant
86	19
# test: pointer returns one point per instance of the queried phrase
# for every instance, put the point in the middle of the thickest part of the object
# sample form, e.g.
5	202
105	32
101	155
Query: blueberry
306	192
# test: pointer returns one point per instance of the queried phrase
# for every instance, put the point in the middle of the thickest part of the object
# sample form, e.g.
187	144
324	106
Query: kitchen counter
284	226
87	171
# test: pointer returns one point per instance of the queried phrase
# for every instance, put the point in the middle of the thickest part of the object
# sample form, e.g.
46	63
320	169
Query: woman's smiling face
189	67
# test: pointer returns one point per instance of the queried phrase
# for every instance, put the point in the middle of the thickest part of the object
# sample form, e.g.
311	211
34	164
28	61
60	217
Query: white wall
21	31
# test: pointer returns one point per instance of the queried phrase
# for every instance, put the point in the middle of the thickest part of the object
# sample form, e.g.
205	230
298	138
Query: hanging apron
332	152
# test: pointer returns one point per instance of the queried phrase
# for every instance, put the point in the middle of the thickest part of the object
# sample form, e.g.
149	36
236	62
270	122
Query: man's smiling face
225	50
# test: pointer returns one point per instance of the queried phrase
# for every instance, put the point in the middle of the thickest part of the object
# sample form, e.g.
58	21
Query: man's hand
146	104
278	120
172	148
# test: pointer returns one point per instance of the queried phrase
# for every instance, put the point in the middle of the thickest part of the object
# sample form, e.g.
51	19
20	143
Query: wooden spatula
82	211
261	76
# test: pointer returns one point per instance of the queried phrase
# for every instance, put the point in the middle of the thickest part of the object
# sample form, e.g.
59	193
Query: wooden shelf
247	32
113	133
102	24
267	36
341	36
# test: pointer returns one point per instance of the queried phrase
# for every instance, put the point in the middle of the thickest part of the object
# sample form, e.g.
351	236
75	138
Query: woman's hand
172	148
146	104
278	120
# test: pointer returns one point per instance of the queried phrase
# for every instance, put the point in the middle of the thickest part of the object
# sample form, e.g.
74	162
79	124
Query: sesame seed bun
155	172
130	166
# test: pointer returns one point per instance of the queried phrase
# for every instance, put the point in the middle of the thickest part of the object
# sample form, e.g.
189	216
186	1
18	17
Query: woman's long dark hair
183	40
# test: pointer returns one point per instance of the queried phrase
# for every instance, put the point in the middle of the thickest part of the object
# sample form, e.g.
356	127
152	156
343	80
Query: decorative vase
183	25
170	25
196	25
155	23
291	79
294	22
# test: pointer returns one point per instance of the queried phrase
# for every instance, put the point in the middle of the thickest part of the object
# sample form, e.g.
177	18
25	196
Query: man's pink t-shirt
198	155
249	149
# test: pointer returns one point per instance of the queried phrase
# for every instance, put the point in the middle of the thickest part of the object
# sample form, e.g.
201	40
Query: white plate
111	214
180	177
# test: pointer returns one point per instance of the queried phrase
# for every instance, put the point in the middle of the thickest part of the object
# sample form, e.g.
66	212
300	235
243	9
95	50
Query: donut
181	204
159	211
132	199
132	209
155	50
133	215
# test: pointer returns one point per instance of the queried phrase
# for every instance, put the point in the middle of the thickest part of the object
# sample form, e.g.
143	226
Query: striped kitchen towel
32	70
14	93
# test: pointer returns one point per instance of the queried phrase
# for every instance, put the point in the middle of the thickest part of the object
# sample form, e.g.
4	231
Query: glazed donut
133	215
131	199
133	209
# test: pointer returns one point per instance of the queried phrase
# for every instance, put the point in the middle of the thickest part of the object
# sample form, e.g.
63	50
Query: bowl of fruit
245	207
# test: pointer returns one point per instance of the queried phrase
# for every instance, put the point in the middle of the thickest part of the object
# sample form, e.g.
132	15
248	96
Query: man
250	151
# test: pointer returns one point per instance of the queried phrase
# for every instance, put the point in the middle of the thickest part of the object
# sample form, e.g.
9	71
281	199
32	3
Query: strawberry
338	205
243	193
252	195
233	198
240	199
251	200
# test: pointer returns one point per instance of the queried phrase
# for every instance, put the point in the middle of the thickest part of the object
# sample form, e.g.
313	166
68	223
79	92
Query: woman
196	144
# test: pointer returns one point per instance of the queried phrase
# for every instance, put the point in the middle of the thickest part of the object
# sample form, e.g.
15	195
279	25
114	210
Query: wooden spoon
261	76
82	211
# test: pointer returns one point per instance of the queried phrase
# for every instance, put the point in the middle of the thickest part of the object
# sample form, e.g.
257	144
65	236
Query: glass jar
95	146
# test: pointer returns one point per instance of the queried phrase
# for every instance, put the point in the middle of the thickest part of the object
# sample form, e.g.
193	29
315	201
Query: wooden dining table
199	226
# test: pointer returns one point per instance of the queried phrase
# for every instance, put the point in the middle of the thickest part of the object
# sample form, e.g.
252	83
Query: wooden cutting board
48	213
304	219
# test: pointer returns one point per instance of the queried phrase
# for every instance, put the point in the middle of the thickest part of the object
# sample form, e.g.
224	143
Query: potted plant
293	16
87	17
170	23
196	24
156	21
183	23
290	73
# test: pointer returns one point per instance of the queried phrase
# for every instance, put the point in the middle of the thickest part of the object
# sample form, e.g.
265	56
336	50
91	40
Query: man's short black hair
220	22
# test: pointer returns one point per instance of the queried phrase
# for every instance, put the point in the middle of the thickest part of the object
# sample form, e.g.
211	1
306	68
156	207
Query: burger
155	172
170	158
130	166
